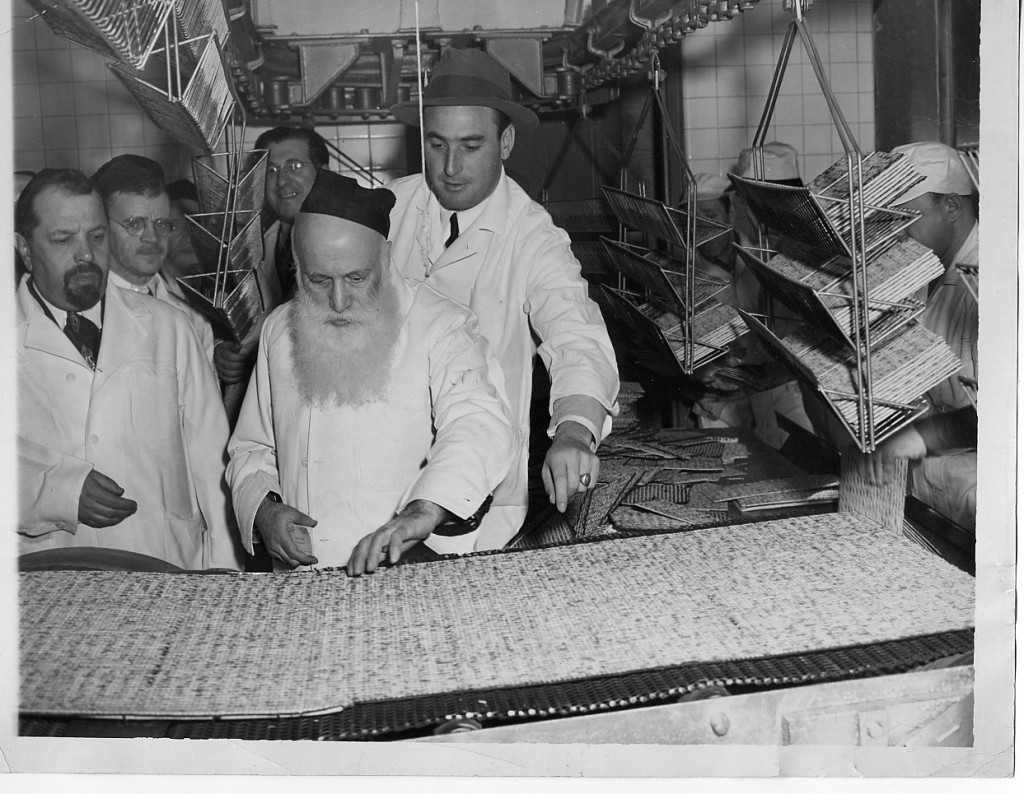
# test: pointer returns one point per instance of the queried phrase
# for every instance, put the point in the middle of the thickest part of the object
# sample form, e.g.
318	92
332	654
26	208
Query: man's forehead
342	246
57	208
290	149
140	202
468	121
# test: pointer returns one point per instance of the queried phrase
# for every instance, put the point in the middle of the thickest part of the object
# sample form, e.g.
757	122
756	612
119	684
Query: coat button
94	439
526	307
70	377
305	463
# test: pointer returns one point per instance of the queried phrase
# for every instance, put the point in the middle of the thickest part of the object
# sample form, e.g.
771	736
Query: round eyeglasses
136	226
288	166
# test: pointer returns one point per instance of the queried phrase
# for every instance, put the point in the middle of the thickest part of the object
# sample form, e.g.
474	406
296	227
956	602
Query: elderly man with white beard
376	416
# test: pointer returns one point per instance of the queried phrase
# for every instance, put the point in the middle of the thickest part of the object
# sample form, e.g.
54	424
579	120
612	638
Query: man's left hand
233	361
569	463
414	523
907	443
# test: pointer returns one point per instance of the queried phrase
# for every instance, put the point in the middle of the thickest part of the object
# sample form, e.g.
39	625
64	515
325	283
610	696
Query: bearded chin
343	365
83	296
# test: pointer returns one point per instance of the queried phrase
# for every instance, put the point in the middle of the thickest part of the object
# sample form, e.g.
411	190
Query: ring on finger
585	479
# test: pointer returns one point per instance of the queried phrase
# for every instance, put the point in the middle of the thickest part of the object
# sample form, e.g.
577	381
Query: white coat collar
42	333
491	219
123	332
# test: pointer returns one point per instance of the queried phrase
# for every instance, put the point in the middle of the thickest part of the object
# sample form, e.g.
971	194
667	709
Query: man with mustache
475	236
139	210
376	412
121	434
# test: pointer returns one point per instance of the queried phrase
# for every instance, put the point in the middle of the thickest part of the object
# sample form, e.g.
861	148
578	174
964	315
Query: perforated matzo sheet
165	645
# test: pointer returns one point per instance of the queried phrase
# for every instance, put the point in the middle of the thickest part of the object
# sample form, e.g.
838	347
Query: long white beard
347	365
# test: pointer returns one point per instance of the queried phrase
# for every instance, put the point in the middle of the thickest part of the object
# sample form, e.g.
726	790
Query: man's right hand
100	504
274	522
232	361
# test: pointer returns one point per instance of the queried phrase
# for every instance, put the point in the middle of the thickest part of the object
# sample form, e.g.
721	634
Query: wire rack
819	288
217	181
229	295
668	224
583	216
199	18
661	331
194	110
857	289
128	30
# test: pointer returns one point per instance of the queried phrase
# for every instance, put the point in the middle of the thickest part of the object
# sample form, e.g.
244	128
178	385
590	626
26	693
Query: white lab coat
443	434
166	289
149	417
948	481
514	268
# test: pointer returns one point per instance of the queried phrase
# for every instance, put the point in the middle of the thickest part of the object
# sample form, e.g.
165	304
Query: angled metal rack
582	216
905	366
193	107
227	233
229	296
818	286
655	272
715	326
668	224
199	18
677	281
679	229
862	320
127	30
217	180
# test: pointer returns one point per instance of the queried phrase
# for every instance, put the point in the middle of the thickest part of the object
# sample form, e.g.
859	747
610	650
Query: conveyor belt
577	626
385	719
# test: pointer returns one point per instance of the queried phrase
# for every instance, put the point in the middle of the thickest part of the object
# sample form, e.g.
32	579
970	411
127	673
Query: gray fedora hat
469	77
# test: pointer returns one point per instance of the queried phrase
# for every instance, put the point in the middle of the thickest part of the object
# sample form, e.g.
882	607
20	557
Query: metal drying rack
843	214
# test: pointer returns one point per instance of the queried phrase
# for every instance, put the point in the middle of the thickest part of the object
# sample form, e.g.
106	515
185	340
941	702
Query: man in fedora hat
470	232
944	444
376	412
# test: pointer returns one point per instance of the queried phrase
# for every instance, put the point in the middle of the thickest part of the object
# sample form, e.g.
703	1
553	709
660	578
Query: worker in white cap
774	162
943	444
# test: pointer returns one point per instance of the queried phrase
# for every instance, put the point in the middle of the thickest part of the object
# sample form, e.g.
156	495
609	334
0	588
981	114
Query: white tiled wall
727	71
70	111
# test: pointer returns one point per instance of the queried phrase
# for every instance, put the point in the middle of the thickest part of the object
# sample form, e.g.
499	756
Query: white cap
709	187
943	170
780	163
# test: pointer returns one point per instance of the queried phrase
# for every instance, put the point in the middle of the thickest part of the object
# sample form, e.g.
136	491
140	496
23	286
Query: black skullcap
342	197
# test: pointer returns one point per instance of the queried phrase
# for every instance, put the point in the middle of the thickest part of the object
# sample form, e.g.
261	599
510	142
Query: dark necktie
455	230
84	335
285	266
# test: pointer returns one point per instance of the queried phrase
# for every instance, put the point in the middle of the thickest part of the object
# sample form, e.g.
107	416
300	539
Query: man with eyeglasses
121	435
135	197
